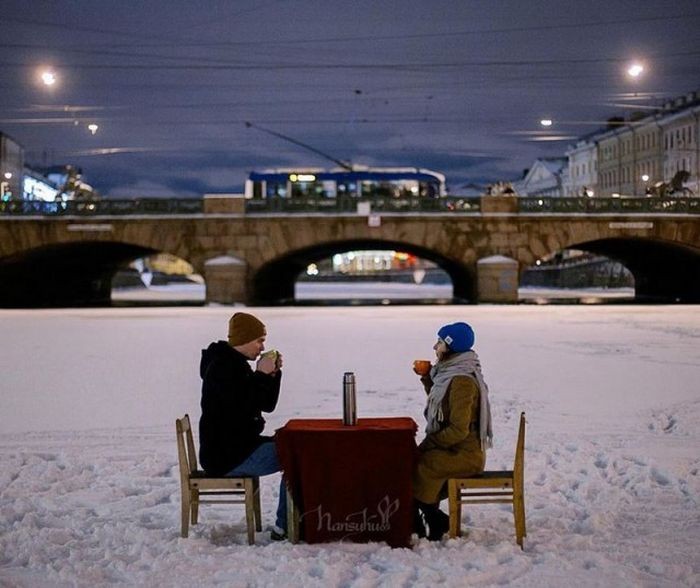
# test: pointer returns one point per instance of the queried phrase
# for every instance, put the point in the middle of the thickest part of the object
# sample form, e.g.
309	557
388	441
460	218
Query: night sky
454	86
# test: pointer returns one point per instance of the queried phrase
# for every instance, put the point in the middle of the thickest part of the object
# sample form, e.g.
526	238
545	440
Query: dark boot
418	522
438	522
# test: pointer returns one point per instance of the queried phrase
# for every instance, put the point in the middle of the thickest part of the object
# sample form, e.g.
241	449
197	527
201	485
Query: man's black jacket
233	397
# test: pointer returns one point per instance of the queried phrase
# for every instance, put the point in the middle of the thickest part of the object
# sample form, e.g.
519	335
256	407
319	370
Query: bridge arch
663	270
77	273
274	281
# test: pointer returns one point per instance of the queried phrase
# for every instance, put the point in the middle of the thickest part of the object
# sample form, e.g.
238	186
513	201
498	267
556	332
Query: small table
349	483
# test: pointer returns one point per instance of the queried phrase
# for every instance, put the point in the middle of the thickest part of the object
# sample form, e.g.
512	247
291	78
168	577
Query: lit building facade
11	165
681	148
632	158
582	179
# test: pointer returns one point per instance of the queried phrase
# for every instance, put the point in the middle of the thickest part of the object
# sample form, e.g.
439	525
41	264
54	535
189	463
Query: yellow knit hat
243	328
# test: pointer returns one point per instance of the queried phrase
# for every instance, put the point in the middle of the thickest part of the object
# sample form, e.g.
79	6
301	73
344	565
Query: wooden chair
195	483
492	487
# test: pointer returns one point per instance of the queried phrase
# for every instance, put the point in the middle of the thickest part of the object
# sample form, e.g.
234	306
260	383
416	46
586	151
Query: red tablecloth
351	483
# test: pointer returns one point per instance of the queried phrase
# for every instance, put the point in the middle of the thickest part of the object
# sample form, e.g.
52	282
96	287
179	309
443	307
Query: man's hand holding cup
270	362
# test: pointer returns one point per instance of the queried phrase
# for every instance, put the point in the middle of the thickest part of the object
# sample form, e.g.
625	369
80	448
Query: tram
343	183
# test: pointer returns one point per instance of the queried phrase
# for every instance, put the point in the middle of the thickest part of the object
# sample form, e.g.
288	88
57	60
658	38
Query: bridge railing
464	204
378	204
448	204
103	207
602	205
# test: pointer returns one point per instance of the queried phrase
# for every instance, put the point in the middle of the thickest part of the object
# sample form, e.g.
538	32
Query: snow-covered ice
89	488
369	291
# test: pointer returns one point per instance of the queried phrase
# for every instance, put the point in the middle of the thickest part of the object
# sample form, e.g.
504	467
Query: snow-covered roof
497	259
224	260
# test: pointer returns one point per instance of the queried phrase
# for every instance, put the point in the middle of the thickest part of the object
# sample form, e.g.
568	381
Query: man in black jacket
233	397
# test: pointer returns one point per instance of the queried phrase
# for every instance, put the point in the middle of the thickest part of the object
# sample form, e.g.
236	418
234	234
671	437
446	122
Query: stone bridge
255	258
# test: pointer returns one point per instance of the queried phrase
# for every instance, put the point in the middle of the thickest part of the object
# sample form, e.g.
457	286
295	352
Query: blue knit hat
459	337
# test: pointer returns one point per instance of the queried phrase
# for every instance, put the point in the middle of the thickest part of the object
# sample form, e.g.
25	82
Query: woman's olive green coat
455	450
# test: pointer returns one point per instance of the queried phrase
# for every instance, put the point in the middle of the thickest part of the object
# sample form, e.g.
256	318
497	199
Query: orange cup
422	366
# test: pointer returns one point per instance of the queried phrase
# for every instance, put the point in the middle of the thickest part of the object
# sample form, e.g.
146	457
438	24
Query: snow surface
89	489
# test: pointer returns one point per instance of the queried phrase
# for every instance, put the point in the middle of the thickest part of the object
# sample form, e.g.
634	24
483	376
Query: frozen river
327	291
89	493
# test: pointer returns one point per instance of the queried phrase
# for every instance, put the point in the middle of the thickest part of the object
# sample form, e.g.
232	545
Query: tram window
429	190
409	188
275	189
298	189
347	189
386	189
329	189
369	188
307	189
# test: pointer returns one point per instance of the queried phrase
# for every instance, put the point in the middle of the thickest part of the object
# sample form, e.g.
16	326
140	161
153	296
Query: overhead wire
376	37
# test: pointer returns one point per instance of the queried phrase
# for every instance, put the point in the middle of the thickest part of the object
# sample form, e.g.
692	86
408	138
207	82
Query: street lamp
48	77
546	122
92	127
635	70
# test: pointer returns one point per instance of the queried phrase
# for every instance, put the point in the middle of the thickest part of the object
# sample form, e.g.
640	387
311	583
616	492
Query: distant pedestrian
458	426
234	397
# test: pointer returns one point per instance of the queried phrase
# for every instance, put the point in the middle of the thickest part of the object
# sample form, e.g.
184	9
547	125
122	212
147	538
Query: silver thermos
349	406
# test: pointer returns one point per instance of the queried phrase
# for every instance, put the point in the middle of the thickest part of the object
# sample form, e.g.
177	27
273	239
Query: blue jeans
261	462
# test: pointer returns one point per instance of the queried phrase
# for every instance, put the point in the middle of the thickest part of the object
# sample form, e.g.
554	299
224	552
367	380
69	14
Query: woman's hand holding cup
422	366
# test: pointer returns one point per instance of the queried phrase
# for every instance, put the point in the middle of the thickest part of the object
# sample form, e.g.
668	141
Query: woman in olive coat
458	428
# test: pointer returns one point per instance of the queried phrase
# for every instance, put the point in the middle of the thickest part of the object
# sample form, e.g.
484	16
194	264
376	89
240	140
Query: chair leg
249	509
184	513
519	516
195	507
455	509
256	504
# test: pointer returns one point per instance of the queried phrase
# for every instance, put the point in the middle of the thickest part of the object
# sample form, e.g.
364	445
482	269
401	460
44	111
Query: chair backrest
187	455
519	466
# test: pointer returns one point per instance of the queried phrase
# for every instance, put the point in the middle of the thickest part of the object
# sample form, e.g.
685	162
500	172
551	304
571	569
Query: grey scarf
459	364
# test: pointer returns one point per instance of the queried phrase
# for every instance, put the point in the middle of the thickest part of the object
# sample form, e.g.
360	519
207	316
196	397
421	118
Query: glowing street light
645	177
48	77
635	70
92	127
546	122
